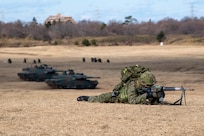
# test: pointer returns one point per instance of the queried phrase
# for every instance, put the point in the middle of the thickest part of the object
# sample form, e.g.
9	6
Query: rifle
163	88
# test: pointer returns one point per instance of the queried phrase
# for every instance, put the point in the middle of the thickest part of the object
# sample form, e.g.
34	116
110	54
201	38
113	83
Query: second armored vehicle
37	73
71	80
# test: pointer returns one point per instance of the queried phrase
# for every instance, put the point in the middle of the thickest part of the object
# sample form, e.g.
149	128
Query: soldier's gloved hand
149	94
158	93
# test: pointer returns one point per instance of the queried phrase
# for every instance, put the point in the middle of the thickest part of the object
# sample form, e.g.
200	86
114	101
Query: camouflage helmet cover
125	74
147	78
132	72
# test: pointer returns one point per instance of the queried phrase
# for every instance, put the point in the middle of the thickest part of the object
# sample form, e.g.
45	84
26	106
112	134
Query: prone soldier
134	88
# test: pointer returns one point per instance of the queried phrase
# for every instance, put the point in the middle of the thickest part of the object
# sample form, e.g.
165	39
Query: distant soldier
34	61
39	61
134	80
99	60
92	59
9	61
24	60
108	61
95	60
83	60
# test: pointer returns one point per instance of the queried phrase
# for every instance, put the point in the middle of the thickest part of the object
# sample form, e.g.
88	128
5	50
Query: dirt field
33	109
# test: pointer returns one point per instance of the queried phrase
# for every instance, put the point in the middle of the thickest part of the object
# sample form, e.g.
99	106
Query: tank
70	80
37	73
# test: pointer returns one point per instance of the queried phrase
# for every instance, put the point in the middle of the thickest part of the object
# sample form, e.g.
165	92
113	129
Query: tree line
129	27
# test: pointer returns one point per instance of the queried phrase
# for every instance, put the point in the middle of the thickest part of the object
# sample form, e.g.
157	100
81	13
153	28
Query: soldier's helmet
125	74
147	79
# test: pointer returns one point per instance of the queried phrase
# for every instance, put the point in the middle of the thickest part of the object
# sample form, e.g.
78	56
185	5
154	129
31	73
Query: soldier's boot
83	98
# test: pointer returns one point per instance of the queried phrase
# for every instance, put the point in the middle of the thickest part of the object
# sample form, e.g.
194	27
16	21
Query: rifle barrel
177	89
173	88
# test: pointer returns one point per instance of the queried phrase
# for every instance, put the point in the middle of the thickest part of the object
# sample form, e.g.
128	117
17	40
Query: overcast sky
100	10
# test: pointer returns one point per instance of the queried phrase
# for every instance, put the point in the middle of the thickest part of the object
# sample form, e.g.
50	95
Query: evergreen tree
161	36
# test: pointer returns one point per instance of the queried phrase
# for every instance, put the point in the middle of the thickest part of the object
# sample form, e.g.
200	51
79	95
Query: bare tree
131	27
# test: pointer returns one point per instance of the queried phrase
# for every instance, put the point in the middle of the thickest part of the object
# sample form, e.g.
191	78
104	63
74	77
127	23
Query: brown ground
32	108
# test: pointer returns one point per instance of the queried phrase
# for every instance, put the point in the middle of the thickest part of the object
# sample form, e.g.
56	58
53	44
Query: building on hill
59	18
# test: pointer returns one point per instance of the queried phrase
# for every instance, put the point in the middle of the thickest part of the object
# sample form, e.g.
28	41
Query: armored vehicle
68	79
37	73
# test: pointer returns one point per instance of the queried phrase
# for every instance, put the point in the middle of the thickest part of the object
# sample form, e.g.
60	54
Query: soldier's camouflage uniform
131	88
128	93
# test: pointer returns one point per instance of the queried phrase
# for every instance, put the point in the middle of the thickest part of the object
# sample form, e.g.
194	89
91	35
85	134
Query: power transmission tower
1	16
97	13
192	10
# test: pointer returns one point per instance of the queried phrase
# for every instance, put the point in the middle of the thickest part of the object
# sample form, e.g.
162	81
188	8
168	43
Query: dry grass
24	42
32	108
105	41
